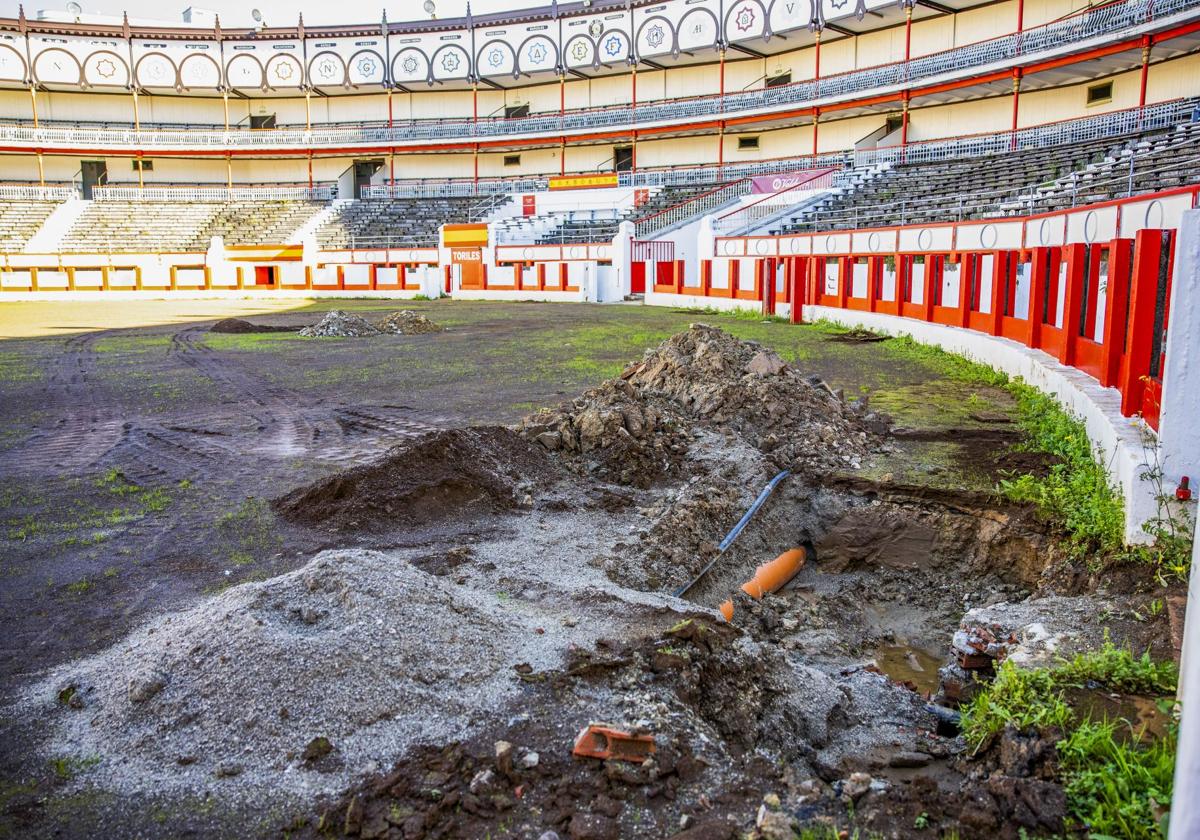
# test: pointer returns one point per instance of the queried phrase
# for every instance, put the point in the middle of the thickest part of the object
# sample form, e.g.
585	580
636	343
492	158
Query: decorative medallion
579	52
450	62
105	68
745	19
612	46
284	70
537	53
410	64
366	67
495	57
596	29
327	68
655	36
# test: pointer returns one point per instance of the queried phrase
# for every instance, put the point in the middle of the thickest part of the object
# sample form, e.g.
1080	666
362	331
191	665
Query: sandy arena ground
259	584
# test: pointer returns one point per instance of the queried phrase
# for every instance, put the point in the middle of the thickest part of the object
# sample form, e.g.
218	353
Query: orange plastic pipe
769	577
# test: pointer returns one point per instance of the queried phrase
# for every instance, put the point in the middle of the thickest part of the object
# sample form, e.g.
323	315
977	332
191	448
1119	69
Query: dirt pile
340	324
407	322
238	326
448	474
636	428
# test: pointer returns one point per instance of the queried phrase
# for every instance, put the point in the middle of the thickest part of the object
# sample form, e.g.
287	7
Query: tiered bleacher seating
602	227
381	222
1008	183
131	226
19	220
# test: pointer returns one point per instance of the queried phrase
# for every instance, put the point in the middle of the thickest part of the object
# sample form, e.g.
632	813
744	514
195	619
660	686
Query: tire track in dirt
84	431
289	425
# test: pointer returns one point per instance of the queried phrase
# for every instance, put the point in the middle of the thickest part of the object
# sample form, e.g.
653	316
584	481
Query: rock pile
239	326
637	427
341	324
407	322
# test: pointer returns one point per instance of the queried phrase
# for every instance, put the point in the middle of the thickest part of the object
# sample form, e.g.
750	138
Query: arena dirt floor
256	584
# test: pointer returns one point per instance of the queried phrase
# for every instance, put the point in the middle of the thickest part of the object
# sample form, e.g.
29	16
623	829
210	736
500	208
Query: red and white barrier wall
1076	302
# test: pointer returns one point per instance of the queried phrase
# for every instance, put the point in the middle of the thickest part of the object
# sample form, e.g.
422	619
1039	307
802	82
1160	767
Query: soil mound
240	326
441	475
341	324
407	322
637	427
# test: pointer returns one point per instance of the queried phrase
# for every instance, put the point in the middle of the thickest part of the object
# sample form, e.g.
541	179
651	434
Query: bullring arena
691	419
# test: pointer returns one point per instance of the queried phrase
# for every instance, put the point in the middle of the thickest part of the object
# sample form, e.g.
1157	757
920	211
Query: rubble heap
407	322
340	324
637	427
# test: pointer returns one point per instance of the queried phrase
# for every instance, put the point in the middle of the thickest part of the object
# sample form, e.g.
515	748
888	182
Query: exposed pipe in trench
733	533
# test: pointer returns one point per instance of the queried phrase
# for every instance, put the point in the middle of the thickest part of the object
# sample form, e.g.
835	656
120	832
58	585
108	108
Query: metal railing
36	192
1088	24
196	192
685	211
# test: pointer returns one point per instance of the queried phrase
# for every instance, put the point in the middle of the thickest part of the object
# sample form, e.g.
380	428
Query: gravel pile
407	322
353	648
341	324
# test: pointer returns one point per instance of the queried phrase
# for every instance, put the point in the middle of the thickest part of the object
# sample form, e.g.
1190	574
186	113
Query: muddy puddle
1138	717
910	666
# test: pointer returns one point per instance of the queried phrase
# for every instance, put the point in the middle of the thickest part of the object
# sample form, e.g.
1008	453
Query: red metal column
633	149
562	113
1116	304
1016	103
1145	71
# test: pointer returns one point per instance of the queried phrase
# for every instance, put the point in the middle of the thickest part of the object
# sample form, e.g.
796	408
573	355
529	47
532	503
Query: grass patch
250	341
1075	493
1116	785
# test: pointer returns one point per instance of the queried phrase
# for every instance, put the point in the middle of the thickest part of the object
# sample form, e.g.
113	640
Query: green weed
1116	786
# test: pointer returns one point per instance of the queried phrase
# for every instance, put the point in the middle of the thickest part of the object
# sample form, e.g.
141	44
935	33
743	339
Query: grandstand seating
19	220
375	222
129	226
1018	181
603	227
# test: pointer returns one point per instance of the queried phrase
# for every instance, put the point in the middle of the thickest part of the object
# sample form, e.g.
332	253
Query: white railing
1090	24
185	192
685	211
34	192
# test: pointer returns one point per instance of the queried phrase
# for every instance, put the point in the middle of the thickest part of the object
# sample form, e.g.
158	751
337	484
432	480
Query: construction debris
605	742
407	322
340	324
638	427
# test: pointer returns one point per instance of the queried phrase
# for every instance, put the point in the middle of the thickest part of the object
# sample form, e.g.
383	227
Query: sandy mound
441	475
407	322
239	326
636	428
341	324
244	686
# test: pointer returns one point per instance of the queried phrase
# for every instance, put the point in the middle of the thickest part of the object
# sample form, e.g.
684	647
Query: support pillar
137	119
1016	104
907	36
228	171
307	109
225	105
33	103
816	125
1145	72
41	170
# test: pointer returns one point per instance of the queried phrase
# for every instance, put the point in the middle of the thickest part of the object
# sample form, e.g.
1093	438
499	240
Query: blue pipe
737	529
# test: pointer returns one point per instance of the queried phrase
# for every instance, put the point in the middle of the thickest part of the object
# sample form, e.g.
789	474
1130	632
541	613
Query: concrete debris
407	322
341	324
